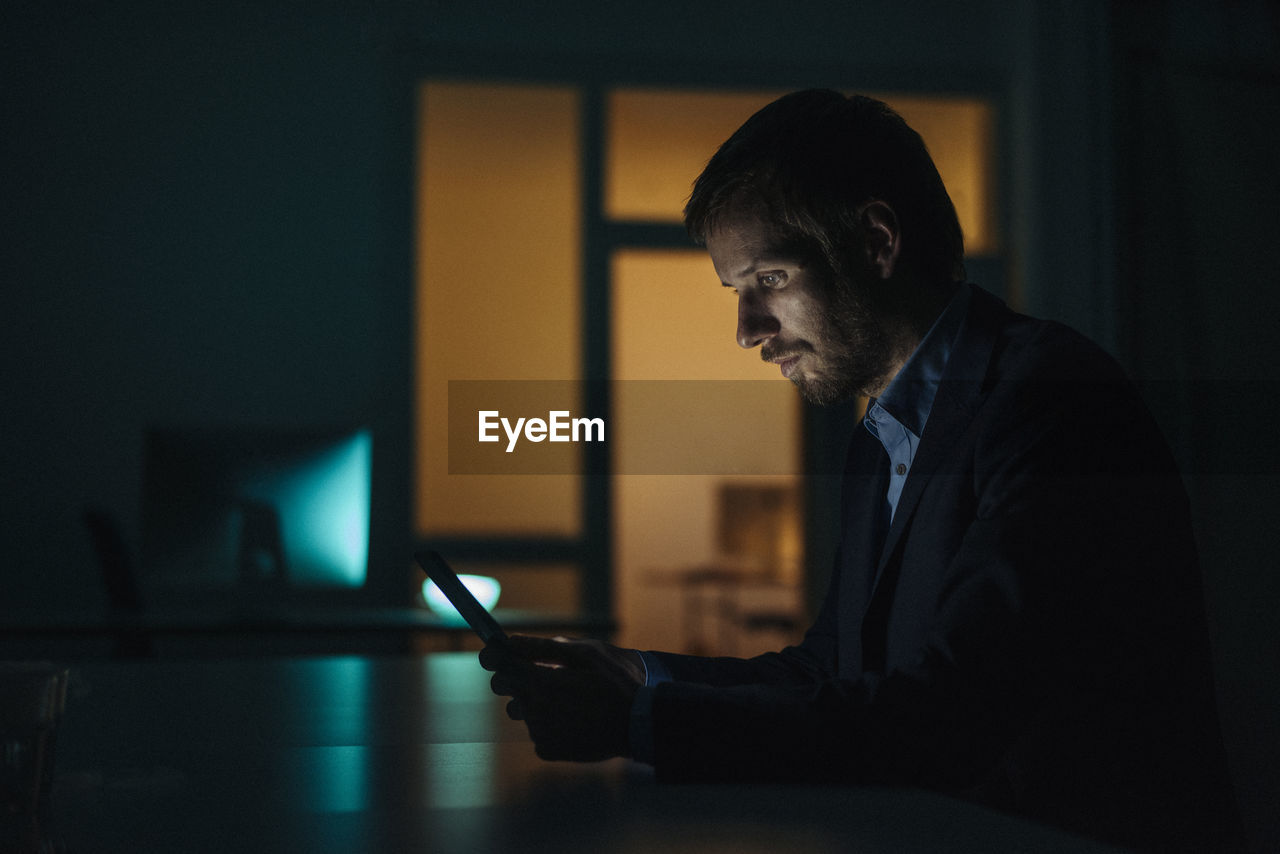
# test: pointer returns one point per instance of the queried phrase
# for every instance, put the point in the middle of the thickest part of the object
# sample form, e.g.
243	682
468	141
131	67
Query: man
1015	614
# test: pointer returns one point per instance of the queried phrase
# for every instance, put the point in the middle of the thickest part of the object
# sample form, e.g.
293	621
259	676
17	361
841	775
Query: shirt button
902	468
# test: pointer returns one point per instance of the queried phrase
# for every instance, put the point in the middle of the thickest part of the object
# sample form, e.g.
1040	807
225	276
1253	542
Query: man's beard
852	342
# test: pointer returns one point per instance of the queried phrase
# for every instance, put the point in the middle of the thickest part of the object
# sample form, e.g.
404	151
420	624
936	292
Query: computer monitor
235	508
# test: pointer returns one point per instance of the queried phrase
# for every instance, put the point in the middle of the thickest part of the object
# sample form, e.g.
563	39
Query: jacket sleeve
1050	640
882	728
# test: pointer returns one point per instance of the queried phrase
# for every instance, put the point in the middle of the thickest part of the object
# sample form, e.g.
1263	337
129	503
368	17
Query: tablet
456	592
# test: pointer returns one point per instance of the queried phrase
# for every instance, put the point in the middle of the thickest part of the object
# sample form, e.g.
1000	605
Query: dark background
206	217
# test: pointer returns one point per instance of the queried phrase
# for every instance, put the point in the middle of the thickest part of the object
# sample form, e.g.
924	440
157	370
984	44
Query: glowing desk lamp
485	589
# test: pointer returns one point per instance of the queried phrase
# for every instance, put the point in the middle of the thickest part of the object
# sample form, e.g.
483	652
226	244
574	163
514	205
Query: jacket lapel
866	479
959	394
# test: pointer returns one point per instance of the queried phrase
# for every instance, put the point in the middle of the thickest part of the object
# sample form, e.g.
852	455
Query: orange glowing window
499	276
498	284
660	140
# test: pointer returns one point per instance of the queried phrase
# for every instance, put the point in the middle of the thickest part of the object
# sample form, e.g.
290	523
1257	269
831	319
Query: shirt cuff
655	672
641	731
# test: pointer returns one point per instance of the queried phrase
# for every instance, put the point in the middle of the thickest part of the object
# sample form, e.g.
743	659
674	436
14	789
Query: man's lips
786	363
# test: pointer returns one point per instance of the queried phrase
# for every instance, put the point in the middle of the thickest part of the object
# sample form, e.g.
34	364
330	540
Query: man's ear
883	237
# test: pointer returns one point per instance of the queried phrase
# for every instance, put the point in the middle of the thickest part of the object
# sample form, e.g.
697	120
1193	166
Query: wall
196	221
1199	174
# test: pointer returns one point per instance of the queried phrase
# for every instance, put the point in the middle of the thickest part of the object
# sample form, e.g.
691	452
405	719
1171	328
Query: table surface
282	617
354	754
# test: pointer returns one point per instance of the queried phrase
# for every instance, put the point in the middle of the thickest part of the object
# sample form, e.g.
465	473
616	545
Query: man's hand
574	695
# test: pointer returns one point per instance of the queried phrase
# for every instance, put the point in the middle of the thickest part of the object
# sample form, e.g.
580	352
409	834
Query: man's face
823	333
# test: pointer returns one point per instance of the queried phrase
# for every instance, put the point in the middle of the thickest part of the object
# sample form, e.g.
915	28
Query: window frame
822	432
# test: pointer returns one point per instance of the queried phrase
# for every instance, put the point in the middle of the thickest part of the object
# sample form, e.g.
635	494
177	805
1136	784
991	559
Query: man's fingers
515	710
559	651
494	657
547	751
526	647
514	677
539	649
509	681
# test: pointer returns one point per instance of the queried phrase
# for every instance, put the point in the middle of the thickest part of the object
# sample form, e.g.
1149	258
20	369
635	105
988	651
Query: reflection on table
249	628
414	754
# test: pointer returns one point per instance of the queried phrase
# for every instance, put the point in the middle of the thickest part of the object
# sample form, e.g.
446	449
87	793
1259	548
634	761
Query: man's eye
773	280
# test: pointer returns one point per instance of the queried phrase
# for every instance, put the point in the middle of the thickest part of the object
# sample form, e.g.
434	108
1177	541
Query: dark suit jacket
1031	634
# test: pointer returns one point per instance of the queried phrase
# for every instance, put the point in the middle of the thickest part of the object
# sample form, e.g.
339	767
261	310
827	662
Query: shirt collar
909	397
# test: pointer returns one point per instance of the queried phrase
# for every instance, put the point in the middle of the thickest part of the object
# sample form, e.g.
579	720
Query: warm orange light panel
498	284
673	322
658	141
960	134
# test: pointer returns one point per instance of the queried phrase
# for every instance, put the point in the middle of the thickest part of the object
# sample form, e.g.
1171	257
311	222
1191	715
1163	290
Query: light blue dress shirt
897	418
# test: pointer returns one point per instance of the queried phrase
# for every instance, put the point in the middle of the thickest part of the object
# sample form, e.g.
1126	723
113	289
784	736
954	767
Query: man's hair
811	160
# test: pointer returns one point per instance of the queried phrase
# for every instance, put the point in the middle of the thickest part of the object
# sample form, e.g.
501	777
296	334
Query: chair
123	599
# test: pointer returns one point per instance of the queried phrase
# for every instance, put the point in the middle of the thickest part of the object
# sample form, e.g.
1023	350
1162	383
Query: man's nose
756	324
